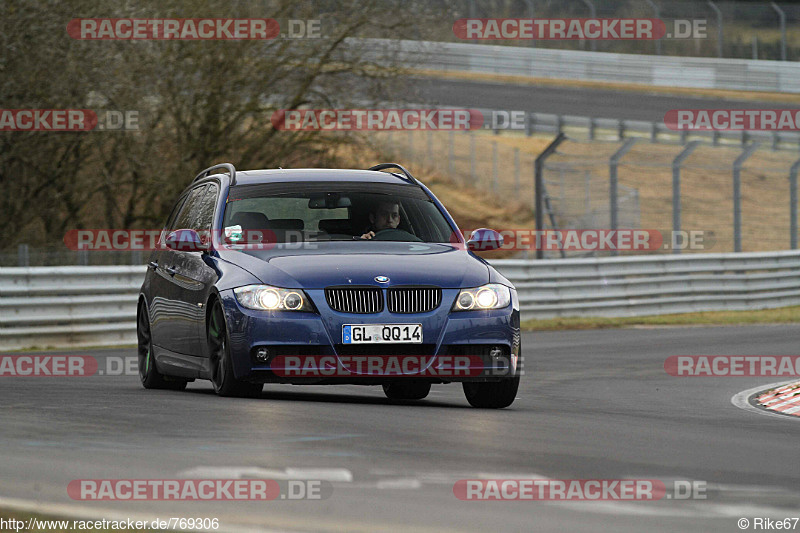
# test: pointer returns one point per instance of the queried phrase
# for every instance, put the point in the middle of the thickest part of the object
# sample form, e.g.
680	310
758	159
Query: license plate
382	333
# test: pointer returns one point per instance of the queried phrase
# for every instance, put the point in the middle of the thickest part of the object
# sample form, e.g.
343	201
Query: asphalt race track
579	101
593	405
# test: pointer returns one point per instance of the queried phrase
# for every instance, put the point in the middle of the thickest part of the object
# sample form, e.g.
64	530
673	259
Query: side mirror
483	240
186	240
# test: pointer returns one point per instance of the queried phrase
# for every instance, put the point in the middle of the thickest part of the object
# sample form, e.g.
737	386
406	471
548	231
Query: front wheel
222	378
492	394
406	390
149	375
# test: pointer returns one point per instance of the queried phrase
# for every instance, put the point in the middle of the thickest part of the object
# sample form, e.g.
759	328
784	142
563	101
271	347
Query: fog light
262	354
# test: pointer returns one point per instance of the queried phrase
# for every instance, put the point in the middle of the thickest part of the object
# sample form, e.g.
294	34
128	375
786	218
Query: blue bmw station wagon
301	275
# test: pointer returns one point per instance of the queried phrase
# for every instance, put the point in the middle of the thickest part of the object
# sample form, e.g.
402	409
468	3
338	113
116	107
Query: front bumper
477	335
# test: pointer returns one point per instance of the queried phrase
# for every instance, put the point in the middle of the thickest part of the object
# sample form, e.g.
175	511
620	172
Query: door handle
171	271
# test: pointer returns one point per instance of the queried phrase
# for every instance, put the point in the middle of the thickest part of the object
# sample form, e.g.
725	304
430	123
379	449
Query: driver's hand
368	235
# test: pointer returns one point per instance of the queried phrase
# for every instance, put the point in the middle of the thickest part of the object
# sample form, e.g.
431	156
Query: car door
175	315
161	282
194	276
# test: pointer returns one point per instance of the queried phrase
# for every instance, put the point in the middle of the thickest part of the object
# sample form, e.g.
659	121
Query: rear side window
194	213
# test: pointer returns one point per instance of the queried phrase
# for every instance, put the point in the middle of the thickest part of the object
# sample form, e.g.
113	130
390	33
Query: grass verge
783	315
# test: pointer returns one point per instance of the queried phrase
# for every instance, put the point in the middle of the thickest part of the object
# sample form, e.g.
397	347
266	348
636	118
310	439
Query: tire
406	390
492	395
149	375
222	377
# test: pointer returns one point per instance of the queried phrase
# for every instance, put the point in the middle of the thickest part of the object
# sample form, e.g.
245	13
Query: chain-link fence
667	187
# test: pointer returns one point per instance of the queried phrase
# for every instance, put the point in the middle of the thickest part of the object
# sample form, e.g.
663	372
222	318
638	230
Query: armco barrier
662	71
654	284
68	306
94	306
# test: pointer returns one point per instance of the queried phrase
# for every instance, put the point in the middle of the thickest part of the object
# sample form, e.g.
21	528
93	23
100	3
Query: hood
358	263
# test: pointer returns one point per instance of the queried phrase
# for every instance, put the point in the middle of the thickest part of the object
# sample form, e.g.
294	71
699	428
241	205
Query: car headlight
491	296
266	298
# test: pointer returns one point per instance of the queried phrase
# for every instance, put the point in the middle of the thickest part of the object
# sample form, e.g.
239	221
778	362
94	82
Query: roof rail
395	165
227	166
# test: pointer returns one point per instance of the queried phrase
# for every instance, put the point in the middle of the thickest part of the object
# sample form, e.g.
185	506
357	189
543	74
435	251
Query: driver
385	215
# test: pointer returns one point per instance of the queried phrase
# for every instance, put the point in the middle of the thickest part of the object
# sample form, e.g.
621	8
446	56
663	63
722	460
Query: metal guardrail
94	306
68	306
654	285
660	71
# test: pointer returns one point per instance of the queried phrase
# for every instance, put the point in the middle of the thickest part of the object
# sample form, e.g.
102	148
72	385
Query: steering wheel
395	234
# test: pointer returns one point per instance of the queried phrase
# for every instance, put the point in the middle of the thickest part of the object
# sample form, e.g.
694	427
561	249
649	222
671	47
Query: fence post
591	128
23	255
538	176
613	164
450	150
782	17
429	154
472	172
494	167
411	146
531	15
676	187
620	129
737	195
593	12
719	26
656	15
516	172
793	203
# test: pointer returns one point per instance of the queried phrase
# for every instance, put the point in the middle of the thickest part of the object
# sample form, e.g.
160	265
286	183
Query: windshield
333	211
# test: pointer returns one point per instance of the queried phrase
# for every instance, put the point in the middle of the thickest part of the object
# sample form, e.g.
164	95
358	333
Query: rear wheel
406	390
149	375
493	394
222	378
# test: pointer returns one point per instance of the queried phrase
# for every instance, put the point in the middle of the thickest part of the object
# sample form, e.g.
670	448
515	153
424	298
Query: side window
187	219
205	213
171	219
